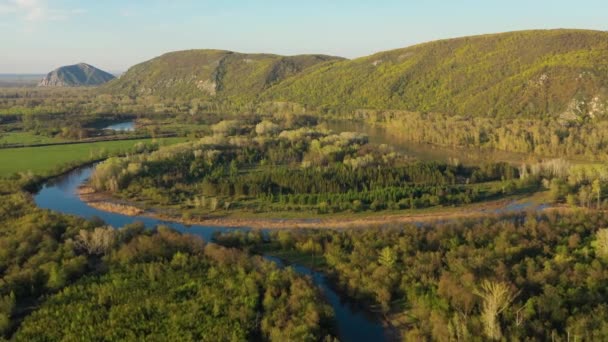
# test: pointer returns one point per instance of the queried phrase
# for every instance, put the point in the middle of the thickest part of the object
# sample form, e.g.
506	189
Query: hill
212	74
528	73
81	74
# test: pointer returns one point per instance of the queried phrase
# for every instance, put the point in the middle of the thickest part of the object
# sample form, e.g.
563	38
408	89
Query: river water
59	194
127	126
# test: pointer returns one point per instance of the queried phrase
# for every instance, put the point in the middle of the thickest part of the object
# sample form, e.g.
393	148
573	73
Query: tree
497	296
601	243
267	128
584	196
597	190
558	189
98	241
387	257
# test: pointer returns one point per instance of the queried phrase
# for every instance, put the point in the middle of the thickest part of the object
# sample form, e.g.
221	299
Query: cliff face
76	75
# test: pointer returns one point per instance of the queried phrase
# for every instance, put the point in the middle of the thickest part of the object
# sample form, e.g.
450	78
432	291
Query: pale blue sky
39	35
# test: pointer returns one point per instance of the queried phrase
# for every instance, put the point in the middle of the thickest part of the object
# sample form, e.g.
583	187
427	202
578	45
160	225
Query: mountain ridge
534	73
209	73
529	73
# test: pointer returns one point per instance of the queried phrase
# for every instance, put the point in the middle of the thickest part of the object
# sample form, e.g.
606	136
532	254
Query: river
353	323
127	126
59	194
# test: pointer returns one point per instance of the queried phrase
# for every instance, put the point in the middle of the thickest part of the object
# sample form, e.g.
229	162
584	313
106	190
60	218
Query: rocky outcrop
81	74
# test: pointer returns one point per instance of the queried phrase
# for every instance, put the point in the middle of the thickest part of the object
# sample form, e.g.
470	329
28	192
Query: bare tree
497	297
98	241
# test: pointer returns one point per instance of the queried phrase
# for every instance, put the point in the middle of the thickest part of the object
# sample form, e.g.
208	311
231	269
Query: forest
93	282
521	277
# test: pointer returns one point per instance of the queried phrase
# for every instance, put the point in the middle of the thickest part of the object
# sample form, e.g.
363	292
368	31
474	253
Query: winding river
59	194
353	323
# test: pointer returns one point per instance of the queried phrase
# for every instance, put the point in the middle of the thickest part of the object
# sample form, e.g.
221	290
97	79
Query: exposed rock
207	86
76	75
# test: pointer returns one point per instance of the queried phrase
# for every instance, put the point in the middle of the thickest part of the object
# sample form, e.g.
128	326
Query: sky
37	36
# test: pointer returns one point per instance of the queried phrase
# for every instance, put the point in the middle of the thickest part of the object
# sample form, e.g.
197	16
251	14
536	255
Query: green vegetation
25	138
211	75
531	74
250	150
86	281
32	261
514	278
47	160
267	169
541	92
547	138
146	284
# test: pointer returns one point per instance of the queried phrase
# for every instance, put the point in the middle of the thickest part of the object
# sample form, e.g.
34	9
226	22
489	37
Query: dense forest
523	277
93	282
529	74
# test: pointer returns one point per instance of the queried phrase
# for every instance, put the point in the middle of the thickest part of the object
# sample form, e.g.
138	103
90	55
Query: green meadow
41	160
26	138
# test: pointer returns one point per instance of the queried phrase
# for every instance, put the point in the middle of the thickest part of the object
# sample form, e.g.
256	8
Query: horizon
139	31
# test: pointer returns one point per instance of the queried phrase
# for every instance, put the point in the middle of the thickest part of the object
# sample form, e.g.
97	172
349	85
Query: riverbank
316	269
64	195
104	201
98	201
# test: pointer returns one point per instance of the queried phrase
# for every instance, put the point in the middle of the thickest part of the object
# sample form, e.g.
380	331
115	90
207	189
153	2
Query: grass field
25	138
42	160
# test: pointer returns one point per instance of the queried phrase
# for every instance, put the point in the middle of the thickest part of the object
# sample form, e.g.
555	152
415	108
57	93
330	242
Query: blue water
59	194
354	323
122	127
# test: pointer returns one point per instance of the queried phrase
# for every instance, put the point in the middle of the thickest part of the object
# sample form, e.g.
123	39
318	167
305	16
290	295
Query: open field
25	138
40	160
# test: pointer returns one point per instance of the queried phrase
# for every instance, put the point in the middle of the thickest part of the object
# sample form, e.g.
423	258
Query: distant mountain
212	74
81	74
528	73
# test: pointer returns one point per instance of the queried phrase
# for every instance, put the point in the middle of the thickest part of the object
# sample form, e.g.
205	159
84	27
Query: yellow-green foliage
533	73
211	74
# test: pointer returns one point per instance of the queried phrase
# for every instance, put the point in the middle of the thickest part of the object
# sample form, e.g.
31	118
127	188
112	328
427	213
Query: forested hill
542	73
211	74
527	73
81	74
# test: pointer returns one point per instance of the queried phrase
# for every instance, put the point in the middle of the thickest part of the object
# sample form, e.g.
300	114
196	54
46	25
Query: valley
453	191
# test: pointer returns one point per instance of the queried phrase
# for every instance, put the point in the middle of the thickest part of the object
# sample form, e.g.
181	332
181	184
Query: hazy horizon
41	35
